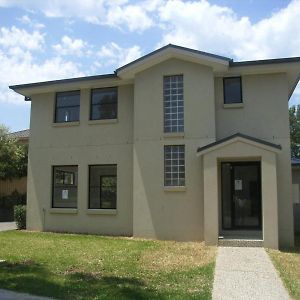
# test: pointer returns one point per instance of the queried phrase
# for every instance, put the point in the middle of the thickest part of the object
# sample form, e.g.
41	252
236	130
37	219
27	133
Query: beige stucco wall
265	116
136	144
159	213
83	144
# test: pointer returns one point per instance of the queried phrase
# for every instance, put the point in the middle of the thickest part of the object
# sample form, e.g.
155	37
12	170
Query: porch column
211	211
269	200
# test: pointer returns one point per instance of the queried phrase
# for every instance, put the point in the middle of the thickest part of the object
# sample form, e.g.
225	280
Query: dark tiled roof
178	48
231	62
265	61
22	134
242	136
68	80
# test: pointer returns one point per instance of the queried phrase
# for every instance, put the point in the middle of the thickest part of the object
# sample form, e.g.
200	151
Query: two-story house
179	144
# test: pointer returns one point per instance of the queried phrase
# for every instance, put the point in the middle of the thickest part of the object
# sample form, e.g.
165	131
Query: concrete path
8	295
7	226
246	273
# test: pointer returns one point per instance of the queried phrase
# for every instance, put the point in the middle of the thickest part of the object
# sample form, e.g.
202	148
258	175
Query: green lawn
287	263
70	266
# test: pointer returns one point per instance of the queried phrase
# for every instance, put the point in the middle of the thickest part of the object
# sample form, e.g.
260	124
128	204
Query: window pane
232	90
108	191
65	180
67	107
69	178
59	177
174	165
68	99
104	111
173	104
104	104
67	114
94	201
64	177
103	187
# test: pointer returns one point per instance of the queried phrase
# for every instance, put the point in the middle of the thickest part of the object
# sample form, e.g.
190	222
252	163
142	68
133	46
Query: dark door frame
241	163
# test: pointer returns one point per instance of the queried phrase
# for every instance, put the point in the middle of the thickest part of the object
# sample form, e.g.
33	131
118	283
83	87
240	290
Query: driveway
7	226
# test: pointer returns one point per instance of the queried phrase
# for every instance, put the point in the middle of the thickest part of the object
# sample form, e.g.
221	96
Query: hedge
20	216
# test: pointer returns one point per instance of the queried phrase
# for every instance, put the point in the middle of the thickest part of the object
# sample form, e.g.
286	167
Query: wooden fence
7	187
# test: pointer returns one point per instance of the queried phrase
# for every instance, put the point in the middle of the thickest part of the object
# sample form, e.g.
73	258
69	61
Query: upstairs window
232	90
104	104
173	104
174	165
67	107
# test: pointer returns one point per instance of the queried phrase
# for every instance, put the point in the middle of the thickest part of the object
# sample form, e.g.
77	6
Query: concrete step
232	242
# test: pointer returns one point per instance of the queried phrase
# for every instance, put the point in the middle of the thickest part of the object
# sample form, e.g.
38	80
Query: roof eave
235	138
218	63
222	66
265	61
29	89
292	89
290	66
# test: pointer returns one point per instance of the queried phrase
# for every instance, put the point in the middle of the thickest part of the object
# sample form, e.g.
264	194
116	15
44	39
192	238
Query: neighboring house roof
222	66
22	134
295	162
237	137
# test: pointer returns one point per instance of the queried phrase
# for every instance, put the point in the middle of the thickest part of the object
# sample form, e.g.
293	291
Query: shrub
20	216
7	204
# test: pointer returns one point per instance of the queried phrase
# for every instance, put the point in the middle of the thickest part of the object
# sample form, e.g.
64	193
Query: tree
295	130
13	156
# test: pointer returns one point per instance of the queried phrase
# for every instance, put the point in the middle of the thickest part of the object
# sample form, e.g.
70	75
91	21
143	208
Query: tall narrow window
67	107
103	187
232	87
174	165
104	104
173	104
64	193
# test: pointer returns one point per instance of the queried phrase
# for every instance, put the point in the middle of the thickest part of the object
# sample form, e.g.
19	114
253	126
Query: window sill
101	211
63	210
66	124
233	105
105	121
174	135
174	188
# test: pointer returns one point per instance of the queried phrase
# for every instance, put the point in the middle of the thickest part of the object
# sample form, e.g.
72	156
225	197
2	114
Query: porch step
231	242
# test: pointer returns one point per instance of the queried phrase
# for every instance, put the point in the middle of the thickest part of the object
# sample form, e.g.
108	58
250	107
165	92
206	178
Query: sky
55	39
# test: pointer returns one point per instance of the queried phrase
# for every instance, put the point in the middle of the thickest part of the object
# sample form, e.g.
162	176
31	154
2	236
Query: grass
287	262
70	266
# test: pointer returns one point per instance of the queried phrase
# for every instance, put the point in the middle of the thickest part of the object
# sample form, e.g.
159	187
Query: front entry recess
241	195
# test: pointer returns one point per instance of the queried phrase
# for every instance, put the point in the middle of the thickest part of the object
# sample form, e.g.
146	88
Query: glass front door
241	195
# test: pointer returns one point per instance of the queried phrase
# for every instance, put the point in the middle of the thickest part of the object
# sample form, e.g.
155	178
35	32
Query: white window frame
173	103
174	165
